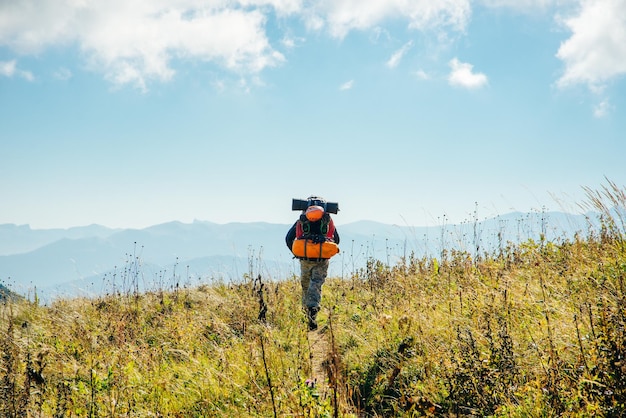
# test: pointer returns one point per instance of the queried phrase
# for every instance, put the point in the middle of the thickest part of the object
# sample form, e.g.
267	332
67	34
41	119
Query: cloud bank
343	16
138	42
134	42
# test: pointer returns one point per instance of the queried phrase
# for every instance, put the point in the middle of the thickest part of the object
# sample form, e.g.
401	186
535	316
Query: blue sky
133	113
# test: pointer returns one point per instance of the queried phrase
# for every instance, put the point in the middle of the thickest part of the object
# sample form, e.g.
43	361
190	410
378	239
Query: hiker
314	240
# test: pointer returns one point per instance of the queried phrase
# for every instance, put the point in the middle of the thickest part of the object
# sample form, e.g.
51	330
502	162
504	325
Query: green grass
537	330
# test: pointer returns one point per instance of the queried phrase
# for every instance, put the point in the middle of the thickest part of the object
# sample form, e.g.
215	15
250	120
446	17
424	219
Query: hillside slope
536	331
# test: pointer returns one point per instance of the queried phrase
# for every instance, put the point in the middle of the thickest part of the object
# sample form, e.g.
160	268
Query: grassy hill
536	329
7	294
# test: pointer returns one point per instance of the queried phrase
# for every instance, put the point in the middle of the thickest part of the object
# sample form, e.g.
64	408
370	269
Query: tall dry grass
536	330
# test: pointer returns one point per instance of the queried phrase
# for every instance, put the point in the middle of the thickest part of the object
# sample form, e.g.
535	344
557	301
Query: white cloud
27	75
524	5
342	16
288	43
462	75
63	74
398	55
422	75
313	21
602	109
7	68
136	42
596	51
10	69
347	85
282	7
291	42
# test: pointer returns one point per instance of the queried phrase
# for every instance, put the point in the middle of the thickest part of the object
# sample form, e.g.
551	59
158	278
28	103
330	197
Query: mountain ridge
207	250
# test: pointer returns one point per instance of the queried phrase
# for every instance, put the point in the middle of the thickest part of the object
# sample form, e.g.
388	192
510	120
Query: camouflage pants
312	277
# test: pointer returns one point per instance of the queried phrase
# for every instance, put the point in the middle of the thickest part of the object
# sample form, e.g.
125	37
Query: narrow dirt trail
319	347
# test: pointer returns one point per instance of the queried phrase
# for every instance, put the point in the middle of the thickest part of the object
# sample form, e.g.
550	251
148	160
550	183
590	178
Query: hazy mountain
16	239
60	261
96	259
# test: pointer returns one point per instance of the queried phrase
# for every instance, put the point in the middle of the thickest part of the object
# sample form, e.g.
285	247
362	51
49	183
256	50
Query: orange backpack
307	248
311	245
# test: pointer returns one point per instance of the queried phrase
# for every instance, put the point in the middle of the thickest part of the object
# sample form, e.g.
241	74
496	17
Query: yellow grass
537	330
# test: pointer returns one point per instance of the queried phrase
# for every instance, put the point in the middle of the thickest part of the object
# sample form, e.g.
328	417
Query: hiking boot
311	316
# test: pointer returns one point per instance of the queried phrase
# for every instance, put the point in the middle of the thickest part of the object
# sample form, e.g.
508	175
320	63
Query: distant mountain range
94	259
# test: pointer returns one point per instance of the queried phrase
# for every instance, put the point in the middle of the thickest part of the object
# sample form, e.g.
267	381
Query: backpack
314	240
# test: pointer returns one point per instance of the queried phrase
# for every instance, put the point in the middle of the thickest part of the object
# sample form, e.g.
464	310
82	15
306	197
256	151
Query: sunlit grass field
532	330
